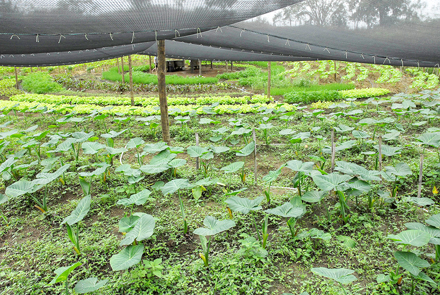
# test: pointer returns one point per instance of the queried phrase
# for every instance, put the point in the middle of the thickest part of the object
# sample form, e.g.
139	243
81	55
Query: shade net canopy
391	32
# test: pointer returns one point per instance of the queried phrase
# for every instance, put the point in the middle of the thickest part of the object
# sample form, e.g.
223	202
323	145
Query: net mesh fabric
391	32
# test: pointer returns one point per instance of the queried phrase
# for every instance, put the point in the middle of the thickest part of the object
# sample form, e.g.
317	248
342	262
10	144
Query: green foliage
307	97
364	93
40	83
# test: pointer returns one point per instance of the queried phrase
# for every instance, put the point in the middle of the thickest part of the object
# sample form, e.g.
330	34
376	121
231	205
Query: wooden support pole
227	70
334	64
162	91
211	64
117	64
333	150
130	73
16	77
200	67
255	156
151	69
32	70
232	65
197	159
380	153
419	192
122	70
269	76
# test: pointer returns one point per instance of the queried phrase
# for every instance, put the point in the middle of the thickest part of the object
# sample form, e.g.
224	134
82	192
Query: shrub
40	83
312	96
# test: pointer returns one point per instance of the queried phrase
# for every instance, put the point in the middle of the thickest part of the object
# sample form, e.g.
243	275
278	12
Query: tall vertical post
269	74
122	71
16	77
151	69
162	91
232	65
32	70
117	64
333	149
200	67
419	191
130	73
334	64
211	64
227	70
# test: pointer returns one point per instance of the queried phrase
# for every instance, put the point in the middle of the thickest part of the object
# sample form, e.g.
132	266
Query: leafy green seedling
175	186
302	170
61	275
244	152
213	227
89	285
341	275
290	211
75	217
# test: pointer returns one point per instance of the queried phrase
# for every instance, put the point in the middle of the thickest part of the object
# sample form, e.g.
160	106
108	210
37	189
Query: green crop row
364	93
7	87
314	96
40	83
139	101
84	109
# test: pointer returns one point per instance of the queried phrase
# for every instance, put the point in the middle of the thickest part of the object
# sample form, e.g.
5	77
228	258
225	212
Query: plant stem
256	229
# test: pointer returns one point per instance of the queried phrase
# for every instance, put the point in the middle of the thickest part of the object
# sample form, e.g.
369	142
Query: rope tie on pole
155	35
374	59
13	35
132	37
37	38
242	32
87	38
111	36
386	60
199	32
268	41
326	49
218	29
362	55
402	61
287	43
175	33
308	46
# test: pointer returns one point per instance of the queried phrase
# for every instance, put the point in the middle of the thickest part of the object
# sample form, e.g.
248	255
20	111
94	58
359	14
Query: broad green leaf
422	276
214	226
219	149
301	135
241	131
287	132
360	134
272	176
391	136
20	188
410	262
64	146
89	285
80	211
163	157
154	148
174	185
91	148
113	134
98	171
196	151
347	241
367	121
313	196
287	210
340	275
343	128
45	178
63	272
432	139
330	181
128	257
358	187
299	166
6	164
415	238
82	136
231	168
434	220
319	234
177	163
127	223
154	169
422	202
139	199
3	199
143	229
401	169
432	231
113	151
135	143
389	151
244	205
247	150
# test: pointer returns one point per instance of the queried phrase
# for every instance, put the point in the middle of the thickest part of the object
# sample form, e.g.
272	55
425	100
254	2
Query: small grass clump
40	83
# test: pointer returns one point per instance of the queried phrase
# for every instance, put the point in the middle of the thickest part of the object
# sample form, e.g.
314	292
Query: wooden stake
162	91
232	65
255	155
200	67
419	192
380	153
333	150
269	74
211	64
151	69
197	159
334	64
32	70
227	70
16	77
130	73
117	64
122	70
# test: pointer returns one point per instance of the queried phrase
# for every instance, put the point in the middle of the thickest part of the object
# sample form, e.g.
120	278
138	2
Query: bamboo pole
200	67
162	91
419	192
380	153
197	159
255	155
269	76
16	77
151	69
117	64
333	150
130	73
122	70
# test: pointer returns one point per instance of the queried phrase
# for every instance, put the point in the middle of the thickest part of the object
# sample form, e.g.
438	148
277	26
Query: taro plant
102	171
233	167
137	199
204	154
61	275
265	130
269	178
244	152
302	171
244	206
138	227
175	186
335	181
289	210
89	285
212	227
135	143
433	229
341	275
75	217
394	174
3	199
409	260
200	186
